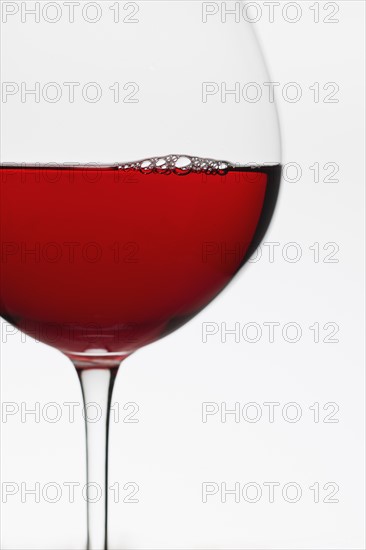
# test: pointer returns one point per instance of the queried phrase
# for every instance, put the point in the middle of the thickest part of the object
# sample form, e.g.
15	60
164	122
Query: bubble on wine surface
179	165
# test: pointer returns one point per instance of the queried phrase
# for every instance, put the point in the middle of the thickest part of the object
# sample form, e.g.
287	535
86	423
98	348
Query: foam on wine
180	165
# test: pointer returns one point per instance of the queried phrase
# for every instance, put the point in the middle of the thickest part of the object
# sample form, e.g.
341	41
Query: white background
170	452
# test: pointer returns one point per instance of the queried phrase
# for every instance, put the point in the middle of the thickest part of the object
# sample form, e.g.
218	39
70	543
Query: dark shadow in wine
272	189
270	199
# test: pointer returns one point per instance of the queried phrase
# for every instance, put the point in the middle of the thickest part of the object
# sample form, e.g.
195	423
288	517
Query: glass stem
97	386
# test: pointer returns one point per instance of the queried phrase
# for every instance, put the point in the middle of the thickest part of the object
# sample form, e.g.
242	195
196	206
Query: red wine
112	258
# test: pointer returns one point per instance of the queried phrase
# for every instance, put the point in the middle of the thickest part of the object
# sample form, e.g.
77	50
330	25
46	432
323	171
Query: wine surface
108	259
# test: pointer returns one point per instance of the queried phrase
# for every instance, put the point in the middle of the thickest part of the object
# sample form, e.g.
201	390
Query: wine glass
138	172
